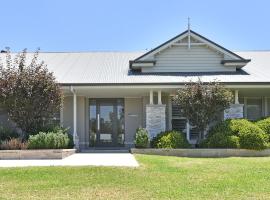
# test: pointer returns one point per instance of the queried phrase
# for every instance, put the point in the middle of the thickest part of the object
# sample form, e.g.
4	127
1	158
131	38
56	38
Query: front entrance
106	121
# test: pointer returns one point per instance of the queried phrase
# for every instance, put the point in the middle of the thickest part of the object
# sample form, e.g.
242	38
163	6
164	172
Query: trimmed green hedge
51	140
252	137
221	140
264	124
170	139
237	133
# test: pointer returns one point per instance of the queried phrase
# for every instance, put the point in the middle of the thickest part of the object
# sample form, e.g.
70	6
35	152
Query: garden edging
36	154
203	153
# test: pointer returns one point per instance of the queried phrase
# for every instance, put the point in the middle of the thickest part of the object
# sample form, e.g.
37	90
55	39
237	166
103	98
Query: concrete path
79	159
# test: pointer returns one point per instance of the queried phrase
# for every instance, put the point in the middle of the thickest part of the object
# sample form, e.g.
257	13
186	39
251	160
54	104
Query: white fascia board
139	65
214	46
160	86
233	64
150	55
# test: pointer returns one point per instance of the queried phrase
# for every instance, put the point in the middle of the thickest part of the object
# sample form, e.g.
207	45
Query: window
179	123
254	108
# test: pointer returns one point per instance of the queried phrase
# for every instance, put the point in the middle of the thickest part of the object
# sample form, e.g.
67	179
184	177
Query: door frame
114	102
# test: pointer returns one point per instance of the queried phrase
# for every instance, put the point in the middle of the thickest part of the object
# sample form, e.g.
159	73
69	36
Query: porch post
159	98
62	114
74	116
188	131
75	136
236	100
151	100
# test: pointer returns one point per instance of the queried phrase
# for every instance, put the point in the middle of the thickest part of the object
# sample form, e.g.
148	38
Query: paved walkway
79	159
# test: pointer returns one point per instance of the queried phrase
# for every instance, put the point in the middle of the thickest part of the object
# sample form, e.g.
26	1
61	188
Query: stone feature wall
155	119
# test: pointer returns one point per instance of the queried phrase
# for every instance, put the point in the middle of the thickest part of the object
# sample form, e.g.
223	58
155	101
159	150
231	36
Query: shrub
229	127
203	144
7	133
172	140
252	137
237	124
59	129
155	140
141	138
236	133
49	140
13	144
220	140
264	124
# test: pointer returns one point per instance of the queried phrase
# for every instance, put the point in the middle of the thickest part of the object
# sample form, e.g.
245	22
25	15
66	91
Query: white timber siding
182	59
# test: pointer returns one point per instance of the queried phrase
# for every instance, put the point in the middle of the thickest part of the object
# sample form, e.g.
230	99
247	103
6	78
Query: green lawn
157	178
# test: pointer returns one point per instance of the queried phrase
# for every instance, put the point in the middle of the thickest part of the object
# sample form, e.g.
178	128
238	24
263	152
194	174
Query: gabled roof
233	56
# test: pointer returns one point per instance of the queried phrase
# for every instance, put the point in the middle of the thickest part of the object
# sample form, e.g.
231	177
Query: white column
188	131
170	112
62	114
159	98
236	100
151	97
74	116
265	107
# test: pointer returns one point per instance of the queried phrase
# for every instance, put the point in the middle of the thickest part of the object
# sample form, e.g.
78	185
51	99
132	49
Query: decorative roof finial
188	24
188	33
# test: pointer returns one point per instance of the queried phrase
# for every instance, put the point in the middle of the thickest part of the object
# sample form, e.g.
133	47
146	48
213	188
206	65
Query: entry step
104	150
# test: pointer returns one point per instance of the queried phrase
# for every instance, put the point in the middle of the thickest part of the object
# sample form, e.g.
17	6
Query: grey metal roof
113	68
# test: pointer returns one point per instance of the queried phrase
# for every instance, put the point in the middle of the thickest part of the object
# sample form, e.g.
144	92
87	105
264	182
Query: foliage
13	144
50	140
28	91
141	138
236	133
59	129
171	139
264	124
228	127
7	133
237	124
220	140
202	102
155	140
252	137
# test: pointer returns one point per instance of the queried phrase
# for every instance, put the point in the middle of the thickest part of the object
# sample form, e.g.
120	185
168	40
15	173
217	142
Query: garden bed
36	154
203	153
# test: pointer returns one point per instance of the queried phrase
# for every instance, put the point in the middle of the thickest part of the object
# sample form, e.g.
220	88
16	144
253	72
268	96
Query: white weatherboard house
108	95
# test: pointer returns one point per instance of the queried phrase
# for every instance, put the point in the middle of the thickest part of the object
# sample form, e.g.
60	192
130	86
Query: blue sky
126	25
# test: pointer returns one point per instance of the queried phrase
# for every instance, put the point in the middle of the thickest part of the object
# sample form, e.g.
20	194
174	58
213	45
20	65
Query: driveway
79	159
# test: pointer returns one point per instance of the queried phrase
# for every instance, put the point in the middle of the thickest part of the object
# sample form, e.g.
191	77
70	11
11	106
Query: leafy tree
28	91
203	102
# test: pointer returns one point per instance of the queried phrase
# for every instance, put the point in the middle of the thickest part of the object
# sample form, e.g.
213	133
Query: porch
108	116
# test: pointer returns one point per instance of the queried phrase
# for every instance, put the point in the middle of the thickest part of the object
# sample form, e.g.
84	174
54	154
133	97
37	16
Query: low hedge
220	140
236	133
170	139
51	140
252	137
264	124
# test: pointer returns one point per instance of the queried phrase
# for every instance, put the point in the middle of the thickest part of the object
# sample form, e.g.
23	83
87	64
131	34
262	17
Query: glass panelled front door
106	122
